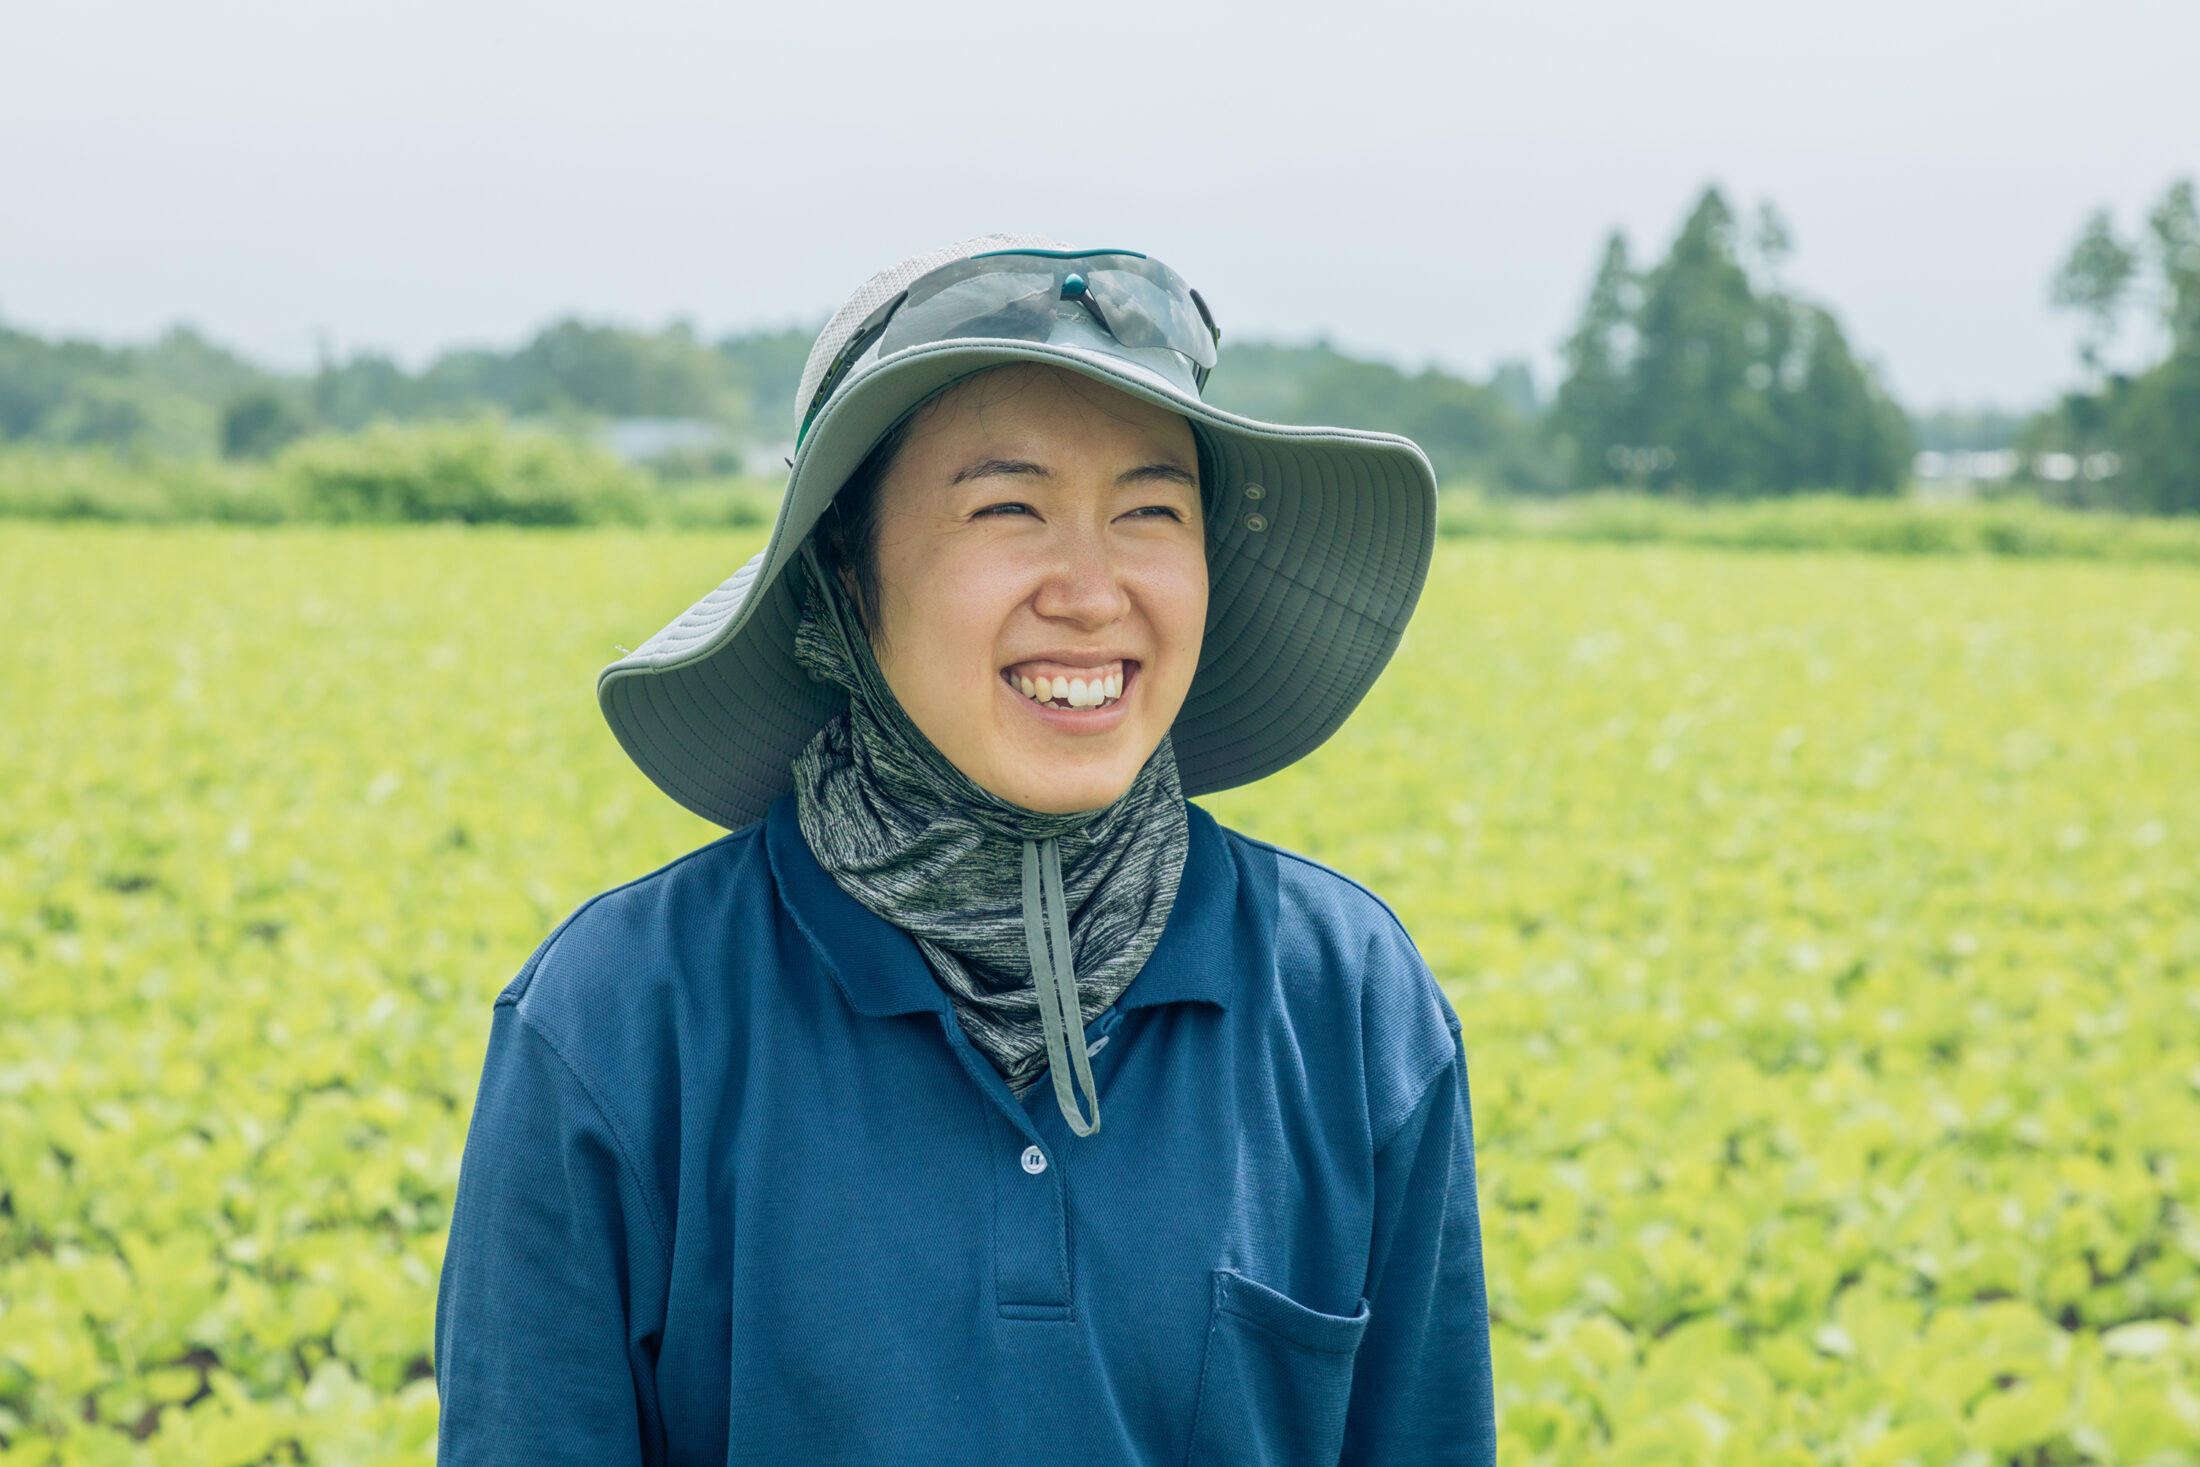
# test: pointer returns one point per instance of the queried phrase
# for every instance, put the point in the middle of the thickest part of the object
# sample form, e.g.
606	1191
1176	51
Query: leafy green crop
1824	929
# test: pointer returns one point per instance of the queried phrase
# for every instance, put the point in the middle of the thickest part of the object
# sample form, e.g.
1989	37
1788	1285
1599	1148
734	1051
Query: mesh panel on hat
887	284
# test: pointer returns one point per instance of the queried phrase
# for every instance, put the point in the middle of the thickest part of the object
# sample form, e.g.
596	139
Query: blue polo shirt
738	1189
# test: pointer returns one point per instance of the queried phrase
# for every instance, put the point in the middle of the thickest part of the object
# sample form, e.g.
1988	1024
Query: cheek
1179	599
944	619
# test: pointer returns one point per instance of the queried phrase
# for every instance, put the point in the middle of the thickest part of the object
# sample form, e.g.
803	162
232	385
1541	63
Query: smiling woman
762	1168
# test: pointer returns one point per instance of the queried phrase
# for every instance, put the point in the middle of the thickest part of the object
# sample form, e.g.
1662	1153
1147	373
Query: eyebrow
1148	473
987	468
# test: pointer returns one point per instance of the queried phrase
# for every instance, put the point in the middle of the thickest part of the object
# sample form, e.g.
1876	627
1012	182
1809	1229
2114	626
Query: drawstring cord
1052	973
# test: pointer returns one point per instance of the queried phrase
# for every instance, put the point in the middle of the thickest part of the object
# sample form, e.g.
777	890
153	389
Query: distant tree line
185	397
1701	374
745	384
165	398
1486	433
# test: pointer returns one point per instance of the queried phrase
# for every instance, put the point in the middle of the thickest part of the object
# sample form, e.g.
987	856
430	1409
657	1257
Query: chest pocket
1276	1380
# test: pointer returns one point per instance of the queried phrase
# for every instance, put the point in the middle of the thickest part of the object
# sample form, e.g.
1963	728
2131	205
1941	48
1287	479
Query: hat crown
887	284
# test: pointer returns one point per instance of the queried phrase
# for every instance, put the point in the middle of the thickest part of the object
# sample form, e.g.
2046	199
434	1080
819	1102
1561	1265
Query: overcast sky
1426	182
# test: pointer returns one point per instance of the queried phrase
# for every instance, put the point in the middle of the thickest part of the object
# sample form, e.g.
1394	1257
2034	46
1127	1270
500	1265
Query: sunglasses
1117	302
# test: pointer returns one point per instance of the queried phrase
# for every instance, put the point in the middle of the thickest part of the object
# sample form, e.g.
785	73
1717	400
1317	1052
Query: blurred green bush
480	472
475	473
2011	527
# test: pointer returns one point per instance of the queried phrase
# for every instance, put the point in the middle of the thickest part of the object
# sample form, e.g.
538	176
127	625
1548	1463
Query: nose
1081	583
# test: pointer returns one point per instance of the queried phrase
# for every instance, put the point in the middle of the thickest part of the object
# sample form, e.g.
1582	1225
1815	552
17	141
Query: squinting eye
1016	508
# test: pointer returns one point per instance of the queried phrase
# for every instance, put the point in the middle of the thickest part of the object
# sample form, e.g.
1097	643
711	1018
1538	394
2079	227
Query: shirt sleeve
541	1354
1421	1389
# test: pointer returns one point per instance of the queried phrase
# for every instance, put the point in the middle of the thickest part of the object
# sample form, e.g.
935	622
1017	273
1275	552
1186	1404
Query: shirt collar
1212	933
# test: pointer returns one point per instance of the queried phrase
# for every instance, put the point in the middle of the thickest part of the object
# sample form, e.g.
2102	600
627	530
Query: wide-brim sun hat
1318	539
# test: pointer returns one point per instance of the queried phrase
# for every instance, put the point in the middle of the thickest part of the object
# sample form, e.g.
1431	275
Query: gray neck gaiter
1033	923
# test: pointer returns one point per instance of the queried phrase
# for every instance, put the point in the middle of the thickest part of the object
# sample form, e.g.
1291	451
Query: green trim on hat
1059	254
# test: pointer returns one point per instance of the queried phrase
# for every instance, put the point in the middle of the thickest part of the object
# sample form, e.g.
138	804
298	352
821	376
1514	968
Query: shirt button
1035	1160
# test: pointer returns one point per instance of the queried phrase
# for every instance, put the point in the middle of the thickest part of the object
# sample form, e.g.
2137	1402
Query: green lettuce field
1825	929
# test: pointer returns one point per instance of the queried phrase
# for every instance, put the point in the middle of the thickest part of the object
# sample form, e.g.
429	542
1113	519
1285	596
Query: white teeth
1070	692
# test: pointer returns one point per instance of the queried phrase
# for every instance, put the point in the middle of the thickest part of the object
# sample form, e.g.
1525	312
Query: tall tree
2175	225
1701	333
2158	420
2143	424
1590	416
2093	282
1774	242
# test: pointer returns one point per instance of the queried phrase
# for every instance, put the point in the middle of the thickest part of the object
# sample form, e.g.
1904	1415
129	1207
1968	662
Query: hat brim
1319	542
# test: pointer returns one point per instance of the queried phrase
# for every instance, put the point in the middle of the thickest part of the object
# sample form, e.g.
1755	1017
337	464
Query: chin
1058	803
1057	796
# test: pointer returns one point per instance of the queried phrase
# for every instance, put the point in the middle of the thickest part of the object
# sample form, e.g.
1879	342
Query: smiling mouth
1085	688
